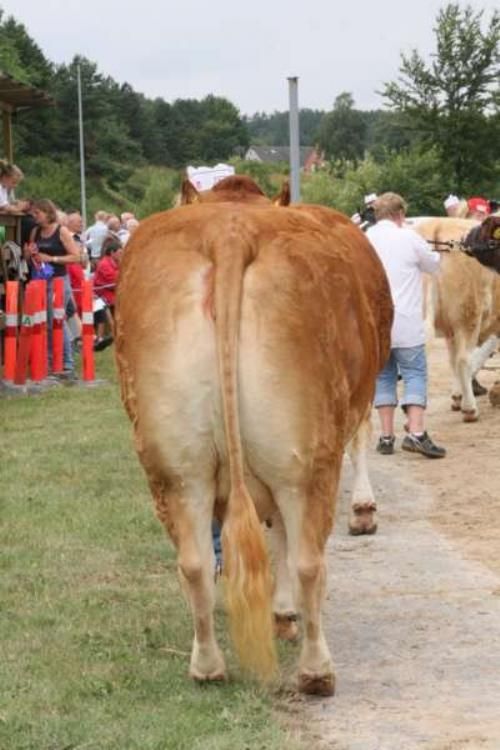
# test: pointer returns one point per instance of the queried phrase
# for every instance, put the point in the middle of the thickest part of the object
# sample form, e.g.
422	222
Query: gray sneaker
385	445
422	444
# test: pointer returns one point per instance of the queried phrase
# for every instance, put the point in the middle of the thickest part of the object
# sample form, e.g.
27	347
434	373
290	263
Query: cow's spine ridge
246	562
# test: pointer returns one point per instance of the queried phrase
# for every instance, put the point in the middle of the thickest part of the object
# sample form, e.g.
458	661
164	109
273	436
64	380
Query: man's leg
415	414
385	402
412	363
386	418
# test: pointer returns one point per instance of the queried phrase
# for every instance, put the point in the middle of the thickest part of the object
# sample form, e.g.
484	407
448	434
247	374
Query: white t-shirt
4	196
404	255
95	236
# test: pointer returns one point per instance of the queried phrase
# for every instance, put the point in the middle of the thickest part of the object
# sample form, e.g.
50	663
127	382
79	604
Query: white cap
370	198
204	178
452	200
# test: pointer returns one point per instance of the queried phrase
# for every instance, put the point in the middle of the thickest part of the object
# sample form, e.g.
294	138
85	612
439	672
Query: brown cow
248	343
240	188
466	299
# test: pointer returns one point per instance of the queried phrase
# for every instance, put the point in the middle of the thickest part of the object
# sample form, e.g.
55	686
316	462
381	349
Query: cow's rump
248	341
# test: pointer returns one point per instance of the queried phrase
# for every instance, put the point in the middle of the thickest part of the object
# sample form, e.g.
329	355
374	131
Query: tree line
447	108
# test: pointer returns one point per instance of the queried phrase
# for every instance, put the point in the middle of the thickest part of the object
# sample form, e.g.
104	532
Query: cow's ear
189	194
283	197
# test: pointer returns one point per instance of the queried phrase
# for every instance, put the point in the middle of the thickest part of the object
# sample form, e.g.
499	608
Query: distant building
310	158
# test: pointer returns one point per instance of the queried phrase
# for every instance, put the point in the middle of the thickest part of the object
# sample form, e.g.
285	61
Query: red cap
479	204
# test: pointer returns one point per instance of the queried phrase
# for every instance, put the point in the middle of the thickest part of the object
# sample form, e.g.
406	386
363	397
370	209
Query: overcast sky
238	49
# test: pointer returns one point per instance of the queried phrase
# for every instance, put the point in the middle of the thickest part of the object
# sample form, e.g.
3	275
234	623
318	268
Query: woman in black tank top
50	242
54	244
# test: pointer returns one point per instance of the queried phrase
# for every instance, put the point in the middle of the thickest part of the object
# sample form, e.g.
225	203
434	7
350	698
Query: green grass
94	632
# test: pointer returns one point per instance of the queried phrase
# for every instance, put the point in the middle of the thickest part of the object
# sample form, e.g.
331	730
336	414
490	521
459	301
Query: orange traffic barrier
57	324
23	354
88	368
36	353
10	341
43	326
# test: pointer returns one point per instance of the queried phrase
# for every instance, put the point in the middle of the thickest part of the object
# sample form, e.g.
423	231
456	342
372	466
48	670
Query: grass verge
94	633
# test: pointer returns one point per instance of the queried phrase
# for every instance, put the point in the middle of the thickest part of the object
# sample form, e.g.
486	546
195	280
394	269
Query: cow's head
233	189
489	236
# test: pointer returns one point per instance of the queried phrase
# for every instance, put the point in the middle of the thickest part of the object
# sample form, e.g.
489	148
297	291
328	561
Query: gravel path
414	629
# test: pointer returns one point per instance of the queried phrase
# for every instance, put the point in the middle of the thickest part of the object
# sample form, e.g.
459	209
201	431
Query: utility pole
293	95
83	197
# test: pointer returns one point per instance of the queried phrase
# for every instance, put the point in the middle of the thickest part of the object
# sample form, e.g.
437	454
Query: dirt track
413	614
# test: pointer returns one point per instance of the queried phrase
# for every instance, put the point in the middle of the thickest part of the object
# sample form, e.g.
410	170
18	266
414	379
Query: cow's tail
245	559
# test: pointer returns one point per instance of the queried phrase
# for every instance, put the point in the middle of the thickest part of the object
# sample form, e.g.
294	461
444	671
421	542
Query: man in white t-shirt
96	234
404	255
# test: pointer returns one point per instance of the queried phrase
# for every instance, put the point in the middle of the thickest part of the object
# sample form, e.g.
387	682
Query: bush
144	190
269	177
46	178
161	188
415	174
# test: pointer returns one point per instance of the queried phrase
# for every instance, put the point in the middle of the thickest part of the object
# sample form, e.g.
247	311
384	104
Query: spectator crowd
54	243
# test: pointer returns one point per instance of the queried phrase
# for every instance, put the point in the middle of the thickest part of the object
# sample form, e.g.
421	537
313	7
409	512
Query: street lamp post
293	94
83	197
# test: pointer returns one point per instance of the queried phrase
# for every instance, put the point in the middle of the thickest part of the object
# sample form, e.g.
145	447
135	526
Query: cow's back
316	313
248	341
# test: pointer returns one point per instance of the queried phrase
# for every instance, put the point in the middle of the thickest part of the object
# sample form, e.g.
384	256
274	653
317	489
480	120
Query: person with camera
405	256
365	217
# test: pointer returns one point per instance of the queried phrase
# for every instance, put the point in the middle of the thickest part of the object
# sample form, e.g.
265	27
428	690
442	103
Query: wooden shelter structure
16	96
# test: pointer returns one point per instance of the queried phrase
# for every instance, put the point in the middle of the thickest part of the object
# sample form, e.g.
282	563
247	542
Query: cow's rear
248	346
466	301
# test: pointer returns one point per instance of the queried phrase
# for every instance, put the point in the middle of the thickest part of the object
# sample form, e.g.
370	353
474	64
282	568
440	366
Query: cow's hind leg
363	505
482	353
308	522
456	385
464	370
284	607
189	522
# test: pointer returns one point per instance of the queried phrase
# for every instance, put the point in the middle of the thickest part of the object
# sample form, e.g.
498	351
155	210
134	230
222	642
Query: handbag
41	270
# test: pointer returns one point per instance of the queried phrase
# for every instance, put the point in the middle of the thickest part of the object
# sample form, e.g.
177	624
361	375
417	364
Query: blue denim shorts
411	363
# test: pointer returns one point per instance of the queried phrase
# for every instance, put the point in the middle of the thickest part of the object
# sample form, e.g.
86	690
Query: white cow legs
191	513
284	606
456	386
465	363
482	353
363	505
464	373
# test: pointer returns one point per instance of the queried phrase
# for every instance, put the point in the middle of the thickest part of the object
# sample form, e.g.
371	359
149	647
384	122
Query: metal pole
293	95
7	134
83	197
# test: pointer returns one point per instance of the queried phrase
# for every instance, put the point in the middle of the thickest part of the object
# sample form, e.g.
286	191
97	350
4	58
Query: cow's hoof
314	684
456	403
362	520
470	415
207	665
358	527
286	628
494	394
218	675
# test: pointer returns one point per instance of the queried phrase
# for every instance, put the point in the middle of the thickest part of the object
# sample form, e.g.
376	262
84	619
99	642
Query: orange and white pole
10	336
23	354
43	315
88	371
36	351
57	324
